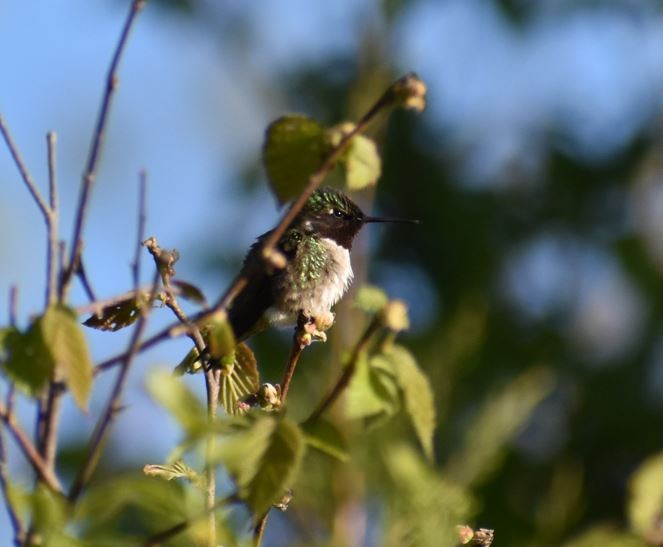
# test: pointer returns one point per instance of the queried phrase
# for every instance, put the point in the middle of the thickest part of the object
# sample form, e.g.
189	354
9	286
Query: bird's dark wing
258	296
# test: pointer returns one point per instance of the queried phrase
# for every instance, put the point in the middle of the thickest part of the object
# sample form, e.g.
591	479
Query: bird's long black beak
391	220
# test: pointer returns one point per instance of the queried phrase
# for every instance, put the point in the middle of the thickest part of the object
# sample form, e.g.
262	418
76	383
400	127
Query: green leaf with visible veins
239	379
263	458
64	338
178	399
324	436
28	363
363	165
416	390
293	150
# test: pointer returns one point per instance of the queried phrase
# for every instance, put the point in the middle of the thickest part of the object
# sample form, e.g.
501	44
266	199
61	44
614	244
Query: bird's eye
337	213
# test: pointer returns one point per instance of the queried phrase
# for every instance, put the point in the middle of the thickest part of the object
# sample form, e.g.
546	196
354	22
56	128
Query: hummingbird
318	271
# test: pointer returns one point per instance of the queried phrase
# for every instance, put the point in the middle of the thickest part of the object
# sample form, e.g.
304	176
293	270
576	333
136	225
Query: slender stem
13	304
158	538
82	276
212	387
99	435
25	174
142	191
259	530
38	463
295	354
95	149
52	221
348	371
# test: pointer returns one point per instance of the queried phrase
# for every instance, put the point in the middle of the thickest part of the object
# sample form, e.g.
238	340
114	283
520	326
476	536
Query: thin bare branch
25	174
95	445
13	304
348	371
295	354
95	149
259	530
45	474
85	281
52	221
142	191
157	539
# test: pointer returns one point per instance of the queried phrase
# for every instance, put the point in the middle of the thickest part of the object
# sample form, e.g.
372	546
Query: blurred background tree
534	282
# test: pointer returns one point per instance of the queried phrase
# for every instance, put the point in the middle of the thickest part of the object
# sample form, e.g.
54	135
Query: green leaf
416	390
171	393
175	470
220	337
324	436
371	299
239	379
363	165
262	458
646	496
372	392
116	316
29	363
293	150
65	340
50	513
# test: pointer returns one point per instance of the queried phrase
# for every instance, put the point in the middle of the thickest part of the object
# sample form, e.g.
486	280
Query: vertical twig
295	354
348	371
25	174
52	221
259	530
96	443
142	191
95	149
50	403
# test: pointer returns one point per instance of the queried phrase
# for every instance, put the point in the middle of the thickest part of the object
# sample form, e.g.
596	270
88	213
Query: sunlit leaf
190	364
29	363
117	316
645	507
372	392
65	340
262	458
293	150
324	436
153	503
363	165
220	337
416	390
50	513
239	379
171	392
175	470
371	299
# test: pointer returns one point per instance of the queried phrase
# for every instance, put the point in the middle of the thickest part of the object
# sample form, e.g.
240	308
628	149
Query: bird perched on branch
316	275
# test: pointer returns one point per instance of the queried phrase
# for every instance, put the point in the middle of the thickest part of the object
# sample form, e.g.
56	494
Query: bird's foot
311	329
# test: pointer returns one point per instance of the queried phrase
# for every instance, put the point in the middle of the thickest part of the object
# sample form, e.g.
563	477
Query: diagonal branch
95	149
29	451
25	174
